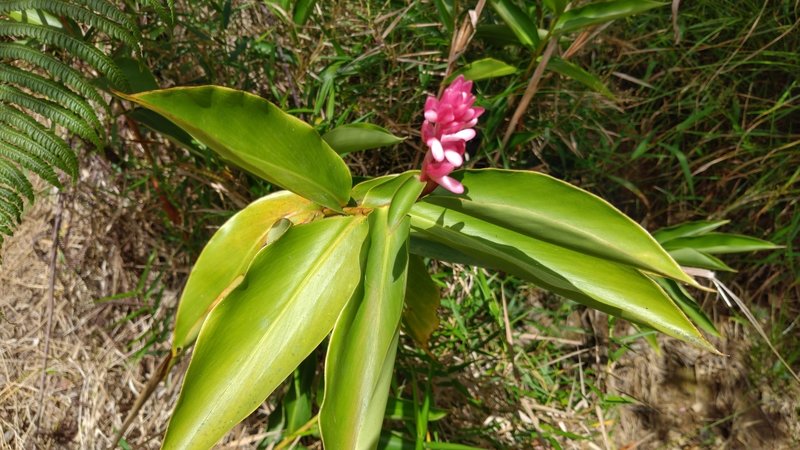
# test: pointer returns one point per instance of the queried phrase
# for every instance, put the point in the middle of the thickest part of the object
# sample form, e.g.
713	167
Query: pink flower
446	130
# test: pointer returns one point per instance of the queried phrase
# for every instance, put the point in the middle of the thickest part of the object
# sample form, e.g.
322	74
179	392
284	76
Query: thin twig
50	300
509	336
530	91
461	39
155	378
676	30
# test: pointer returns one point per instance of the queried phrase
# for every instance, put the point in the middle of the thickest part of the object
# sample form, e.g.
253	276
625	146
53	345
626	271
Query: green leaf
602	284
303	10
557	212
497	34
580	75
355	137
420	315
445	10
164	126
283	309
360	360
361	190
519	22
601	12
485	68
688	305
36	17
556	6
688	229
689	257
297	403
399	193
224	260
257	136
78	13
139	76
402	409
720	243
392	440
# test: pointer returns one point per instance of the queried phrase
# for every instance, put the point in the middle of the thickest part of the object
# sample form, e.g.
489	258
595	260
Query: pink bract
446	130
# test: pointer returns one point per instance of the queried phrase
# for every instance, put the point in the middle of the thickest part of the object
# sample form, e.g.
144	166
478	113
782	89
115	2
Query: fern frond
52	111
15	179
33	159
60	39
54	91
57	69
75	12
22	142
166	14
106	9
9	213
42	136
10	196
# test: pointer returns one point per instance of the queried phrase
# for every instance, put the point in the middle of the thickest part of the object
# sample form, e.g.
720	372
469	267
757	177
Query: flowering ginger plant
326	260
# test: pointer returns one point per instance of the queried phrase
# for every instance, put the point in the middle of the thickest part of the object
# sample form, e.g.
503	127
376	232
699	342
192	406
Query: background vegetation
702	122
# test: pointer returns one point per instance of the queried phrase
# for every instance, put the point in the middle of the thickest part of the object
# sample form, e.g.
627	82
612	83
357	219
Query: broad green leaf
420	315
36	17
519	22
689	257
283	309
580	75
557	212
719	243
360	360
258	137
355	137
688	229
688	305
601	12
602	284
485	68
224	260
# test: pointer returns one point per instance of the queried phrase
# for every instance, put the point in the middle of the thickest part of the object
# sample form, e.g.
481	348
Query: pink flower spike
463	135
431	105
451	184
436	149
448	125
454	158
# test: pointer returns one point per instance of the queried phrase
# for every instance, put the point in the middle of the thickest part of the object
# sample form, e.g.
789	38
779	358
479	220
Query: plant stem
530	91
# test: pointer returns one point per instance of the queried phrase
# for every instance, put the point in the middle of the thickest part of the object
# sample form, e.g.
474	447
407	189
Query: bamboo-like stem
530	91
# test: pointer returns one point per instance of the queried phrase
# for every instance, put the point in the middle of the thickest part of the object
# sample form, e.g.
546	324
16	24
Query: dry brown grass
690	398
91	377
